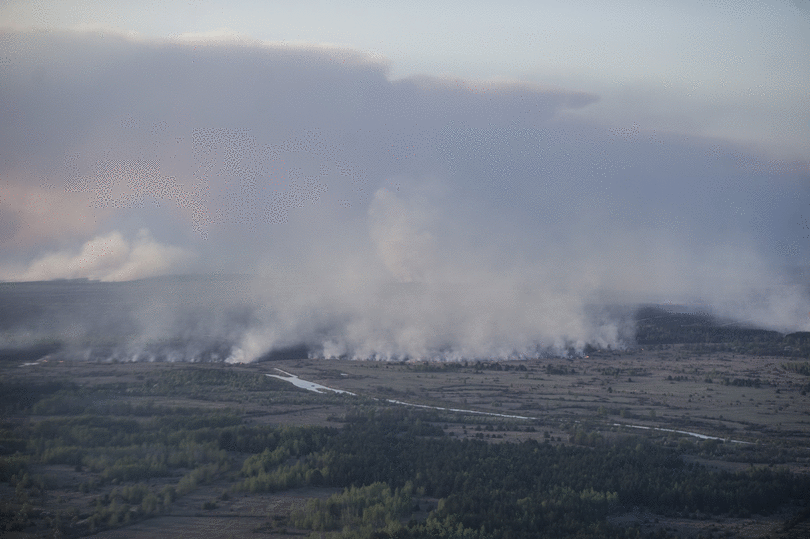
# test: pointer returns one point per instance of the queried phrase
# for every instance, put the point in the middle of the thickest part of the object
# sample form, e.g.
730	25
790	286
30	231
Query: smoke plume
369	217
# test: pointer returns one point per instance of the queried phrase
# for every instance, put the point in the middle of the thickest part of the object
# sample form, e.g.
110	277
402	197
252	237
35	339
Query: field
721	411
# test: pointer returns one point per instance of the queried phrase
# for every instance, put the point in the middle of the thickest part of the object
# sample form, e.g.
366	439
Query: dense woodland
522	490
657	326
401	475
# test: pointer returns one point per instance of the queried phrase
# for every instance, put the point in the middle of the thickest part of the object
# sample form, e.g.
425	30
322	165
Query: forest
658	326
388	463
113	445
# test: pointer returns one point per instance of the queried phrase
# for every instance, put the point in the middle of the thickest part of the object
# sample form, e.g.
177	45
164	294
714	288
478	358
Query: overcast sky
739	66
546	153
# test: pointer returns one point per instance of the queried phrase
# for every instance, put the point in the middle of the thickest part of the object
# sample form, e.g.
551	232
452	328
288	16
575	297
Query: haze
455	182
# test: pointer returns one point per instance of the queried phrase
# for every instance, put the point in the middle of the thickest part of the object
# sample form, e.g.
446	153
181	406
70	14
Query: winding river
318	388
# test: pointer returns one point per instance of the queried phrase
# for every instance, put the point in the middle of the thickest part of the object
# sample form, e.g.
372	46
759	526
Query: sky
413	180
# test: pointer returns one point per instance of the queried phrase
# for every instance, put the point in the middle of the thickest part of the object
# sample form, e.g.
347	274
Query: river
318	388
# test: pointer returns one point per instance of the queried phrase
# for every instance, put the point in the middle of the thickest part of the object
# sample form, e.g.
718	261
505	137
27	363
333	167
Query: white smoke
412	218
109	257
420	290
432	280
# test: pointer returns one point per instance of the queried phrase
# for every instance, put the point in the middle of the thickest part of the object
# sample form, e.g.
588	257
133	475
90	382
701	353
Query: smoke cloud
105	258
376	218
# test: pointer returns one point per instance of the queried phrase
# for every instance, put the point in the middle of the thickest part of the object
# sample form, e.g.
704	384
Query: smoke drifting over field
378	218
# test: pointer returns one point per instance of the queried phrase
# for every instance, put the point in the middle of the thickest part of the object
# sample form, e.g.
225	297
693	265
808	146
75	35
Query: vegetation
385	462
657	326
798	368
136	447
501	490
363	510
118	444
117	451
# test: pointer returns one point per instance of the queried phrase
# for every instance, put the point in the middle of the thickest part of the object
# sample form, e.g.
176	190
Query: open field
746	398
756	410
741	397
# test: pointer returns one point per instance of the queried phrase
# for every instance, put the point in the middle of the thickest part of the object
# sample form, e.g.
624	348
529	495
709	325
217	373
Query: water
305	384
318	388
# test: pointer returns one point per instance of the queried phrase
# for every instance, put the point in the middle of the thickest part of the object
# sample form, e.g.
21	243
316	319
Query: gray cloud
421	217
